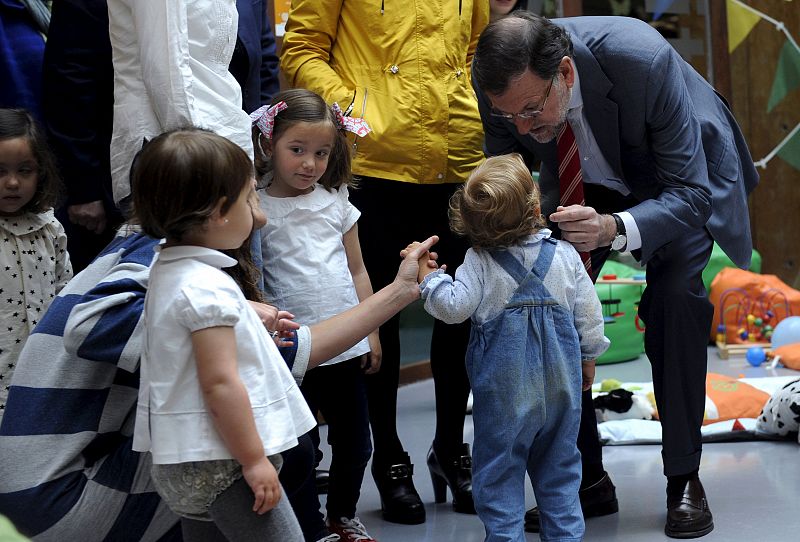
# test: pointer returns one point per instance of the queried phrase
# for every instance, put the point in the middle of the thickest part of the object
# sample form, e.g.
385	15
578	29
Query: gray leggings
233	519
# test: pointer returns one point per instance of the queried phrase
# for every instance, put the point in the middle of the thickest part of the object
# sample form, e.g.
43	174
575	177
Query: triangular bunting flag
787	75
790	152
661	7
737	425
740	22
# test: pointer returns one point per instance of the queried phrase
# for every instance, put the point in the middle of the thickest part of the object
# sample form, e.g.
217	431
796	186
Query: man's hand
91	216
584	227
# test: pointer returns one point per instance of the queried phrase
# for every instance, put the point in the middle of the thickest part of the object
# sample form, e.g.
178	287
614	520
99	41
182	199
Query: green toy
620	305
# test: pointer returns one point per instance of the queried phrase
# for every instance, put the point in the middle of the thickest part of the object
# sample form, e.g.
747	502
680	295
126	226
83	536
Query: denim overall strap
518	272
546	253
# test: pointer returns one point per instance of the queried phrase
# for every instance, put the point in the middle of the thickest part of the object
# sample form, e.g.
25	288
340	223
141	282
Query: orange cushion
790	355
728	398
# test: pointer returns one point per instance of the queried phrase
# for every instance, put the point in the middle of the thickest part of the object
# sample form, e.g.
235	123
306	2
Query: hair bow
351	124
264	117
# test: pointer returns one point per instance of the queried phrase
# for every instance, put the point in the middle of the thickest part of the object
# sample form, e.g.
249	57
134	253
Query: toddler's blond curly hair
498	205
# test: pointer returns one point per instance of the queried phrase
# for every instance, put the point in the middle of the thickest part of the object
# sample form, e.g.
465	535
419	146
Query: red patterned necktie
570	178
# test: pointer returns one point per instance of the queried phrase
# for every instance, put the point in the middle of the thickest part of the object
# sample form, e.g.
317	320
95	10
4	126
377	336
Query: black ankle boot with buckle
455	473
400	501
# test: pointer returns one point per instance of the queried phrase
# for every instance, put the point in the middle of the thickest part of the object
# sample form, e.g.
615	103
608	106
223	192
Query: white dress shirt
594	166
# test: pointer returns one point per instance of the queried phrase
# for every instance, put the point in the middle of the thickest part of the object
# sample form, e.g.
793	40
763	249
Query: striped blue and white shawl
67	470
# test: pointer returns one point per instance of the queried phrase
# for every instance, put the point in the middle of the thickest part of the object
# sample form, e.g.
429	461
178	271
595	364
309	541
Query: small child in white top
313	269
34	264
537	328
217	403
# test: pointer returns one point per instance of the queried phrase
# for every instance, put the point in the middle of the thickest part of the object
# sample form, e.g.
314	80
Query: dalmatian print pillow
781	414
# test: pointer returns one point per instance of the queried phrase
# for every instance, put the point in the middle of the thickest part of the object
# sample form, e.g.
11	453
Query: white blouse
34	267
305	264
188	292
171	62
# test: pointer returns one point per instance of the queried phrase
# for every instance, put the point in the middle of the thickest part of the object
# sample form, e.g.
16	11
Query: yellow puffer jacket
403	65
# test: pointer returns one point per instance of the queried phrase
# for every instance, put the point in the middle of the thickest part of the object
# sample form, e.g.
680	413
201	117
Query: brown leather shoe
688	516
598	499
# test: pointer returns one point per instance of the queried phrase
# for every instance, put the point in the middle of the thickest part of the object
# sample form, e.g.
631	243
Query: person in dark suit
78	101
663	169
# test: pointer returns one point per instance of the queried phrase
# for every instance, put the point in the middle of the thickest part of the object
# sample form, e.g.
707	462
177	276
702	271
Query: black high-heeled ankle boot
456	472
400	502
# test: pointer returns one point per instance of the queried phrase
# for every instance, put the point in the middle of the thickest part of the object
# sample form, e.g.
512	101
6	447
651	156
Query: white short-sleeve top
188	291
305	264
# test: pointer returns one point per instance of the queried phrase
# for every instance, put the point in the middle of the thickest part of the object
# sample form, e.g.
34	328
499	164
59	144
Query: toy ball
759	322
755	356
786	332
750	318
610	384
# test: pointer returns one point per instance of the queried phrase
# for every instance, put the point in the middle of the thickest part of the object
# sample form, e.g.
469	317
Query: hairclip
350	124
264	117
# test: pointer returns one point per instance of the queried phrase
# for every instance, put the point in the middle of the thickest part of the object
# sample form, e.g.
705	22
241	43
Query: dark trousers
297	479
677	315
338	392
393	214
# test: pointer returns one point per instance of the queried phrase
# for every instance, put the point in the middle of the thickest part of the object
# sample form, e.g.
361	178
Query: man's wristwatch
621	240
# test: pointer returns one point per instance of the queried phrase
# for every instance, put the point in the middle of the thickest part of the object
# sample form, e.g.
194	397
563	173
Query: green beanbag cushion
619	303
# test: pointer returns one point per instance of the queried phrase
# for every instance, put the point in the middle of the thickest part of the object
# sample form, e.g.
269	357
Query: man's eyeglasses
527	113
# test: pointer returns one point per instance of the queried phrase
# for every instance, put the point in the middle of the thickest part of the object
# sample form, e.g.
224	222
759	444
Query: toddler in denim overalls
537	328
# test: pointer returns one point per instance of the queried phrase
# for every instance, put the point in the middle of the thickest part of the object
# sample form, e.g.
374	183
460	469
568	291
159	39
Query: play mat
733	410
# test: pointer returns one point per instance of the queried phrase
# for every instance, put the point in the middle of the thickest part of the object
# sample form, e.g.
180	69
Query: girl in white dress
34	264
313	269
217	403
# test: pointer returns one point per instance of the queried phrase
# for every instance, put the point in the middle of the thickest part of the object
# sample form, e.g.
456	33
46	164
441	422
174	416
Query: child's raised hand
409	267
262	478
427	261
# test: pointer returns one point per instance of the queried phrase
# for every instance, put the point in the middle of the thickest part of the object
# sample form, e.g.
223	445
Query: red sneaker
350	530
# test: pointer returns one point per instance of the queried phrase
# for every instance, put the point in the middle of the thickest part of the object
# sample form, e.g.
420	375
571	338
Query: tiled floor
753	487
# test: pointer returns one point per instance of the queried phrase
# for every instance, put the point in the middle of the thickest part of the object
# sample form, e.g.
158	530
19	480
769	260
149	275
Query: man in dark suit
620	122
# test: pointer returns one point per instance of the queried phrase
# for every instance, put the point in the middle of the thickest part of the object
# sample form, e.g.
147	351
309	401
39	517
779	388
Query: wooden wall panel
775	204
